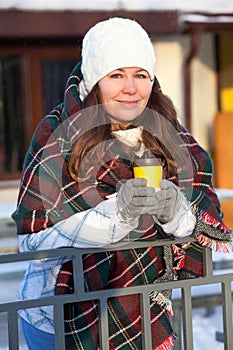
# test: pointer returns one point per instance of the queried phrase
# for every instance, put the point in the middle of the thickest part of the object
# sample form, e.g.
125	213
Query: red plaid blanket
48	194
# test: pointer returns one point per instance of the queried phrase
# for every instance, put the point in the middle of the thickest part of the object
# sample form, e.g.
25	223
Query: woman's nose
129	86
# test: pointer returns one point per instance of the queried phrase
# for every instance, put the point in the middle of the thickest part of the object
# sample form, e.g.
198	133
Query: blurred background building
40	43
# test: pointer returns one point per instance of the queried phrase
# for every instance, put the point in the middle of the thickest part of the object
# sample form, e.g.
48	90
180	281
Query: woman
79	171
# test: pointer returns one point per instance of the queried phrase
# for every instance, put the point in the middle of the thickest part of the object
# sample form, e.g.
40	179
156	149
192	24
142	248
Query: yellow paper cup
152	173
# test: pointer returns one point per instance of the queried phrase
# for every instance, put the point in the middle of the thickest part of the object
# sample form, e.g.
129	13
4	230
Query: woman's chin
125	117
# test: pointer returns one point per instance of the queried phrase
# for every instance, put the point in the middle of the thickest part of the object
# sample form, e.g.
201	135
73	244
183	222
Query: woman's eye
116	76
137	76
141	76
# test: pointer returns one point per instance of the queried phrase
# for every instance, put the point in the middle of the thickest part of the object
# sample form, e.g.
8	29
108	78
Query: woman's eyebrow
123	70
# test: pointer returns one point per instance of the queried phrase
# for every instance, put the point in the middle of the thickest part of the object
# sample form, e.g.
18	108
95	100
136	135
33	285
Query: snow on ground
205	328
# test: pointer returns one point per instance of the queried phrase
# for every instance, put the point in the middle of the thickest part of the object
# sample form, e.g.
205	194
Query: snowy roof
208	6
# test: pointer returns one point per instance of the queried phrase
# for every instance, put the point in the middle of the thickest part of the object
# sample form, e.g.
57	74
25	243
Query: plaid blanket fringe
167	345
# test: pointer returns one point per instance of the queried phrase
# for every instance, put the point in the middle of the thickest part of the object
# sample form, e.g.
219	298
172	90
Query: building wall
170	55
205	92
171	52
226	72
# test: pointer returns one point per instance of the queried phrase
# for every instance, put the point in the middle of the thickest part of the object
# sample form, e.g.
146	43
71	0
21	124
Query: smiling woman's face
125	93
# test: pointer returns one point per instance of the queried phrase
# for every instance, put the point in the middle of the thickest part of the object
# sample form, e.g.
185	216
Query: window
32	82
11	115
54	76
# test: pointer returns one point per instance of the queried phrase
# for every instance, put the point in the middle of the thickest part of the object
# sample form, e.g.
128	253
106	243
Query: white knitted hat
113	44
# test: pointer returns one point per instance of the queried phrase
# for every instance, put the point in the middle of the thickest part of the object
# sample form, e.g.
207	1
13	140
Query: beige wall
205	92
170	53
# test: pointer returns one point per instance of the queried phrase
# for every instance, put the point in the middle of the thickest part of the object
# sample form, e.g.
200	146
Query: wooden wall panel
223	159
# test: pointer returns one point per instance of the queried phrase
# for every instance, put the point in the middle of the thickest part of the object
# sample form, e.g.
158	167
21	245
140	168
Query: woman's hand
135	198
170	201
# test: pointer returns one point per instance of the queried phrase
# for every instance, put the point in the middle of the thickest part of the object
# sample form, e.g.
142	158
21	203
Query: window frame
32	55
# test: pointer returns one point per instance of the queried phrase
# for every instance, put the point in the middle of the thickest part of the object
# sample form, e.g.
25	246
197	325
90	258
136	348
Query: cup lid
146	161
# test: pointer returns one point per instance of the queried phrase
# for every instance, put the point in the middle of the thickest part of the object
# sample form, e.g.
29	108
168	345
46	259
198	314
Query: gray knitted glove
135	198
169	200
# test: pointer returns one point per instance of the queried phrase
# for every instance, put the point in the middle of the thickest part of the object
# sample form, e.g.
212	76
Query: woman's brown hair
159	123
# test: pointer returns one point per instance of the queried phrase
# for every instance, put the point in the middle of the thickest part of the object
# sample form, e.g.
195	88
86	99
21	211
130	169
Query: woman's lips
128	103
